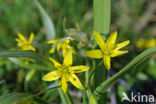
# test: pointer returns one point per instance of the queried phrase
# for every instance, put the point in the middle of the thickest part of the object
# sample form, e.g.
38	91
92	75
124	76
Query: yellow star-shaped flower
66	72
65	45
108	49
145	44
25	44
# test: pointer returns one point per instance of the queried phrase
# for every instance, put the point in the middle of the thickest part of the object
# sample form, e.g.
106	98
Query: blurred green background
134	19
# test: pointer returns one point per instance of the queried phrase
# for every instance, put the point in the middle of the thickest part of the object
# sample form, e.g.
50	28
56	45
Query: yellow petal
117	53
107	62
59	45
64	50
55	63
78	69
122	44
68	59
94	53
27	47
140	43
67	41
150	43
52	49
21	37
32	48
54	75
53	41
99	40
75	81
112	38
31	37
64	84
17	40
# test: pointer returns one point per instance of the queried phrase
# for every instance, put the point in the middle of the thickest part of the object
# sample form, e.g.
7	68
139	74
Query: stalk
102	17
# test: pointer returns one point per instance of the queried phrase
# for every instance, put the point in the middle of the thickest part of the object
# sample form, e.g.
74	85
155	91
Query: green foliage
48	24
45	19
16	97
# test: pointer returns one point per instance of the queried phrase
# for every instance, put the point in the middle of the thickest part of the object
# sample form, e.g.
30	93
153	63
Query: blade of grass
47	22
17	54
102	15
106	84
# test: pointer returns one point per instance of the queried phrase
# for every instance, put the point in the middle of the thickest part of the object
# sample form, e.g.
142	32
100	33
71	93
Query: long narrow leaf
48	24
28	54
102	15
12	97
28	66
106	84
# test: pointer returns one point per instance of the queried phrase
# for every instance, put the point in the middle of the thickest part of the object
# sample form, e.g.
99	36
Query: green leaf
28	66
102	15
13	97
102	88
47	22
27	54
26	100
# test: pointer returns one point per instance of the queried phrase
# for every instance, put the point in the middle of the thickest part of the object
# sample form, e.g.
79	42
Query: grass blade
47	22
102	15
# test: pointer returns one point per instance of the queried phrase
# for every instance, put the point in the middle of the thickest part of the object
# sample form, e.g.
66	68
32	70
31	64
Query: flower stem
46	90
102	18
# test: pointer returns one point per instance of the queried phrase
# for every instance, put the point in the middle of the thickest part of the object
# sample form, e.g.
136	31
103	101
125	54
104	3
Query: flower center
109	49
65	70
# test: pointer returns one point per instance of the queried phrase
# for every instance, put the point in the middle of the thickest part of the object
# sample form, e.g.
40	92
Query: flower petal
75	81
54	75
55	63
122	44
94	53
107	62
78	69
59	45
53	41
32	48
64	50
117	53
68	59
31	37
21	37
27	47
112	38
99	40
64	84
52	49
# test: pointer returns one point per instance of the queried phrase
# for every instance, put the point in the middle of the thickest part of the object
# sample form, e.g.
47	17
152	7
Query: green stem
106	84
91	97
65	97
92	71
102	18
46	90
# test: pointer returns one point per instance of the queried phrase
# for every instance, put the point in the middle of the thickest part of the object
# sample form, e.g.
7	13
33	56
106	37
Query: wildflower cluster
66	72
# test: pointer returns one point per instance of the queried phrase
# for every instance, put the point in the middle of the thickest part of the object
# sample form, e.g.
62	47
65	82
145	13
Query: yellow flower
140	43
62	45
23	43
108	49
66	72
145	44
